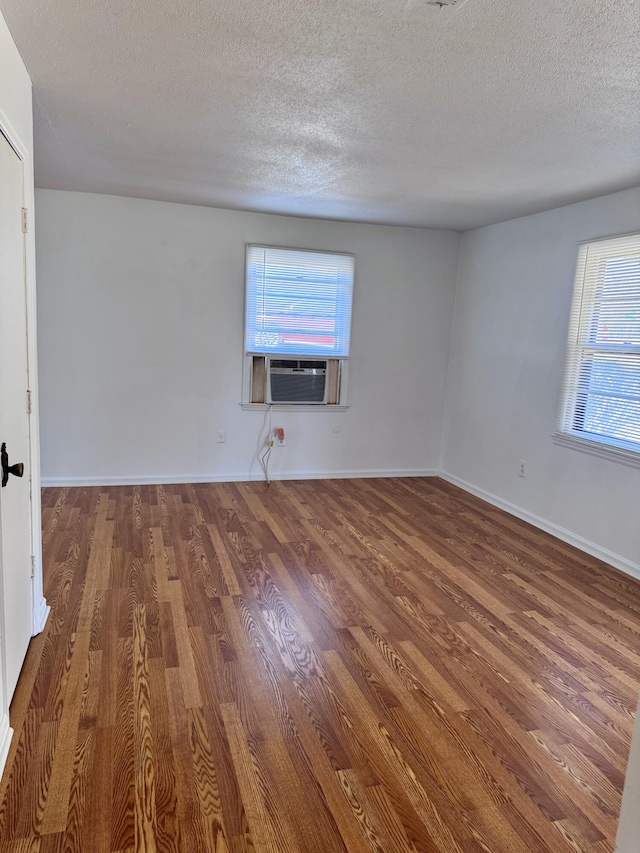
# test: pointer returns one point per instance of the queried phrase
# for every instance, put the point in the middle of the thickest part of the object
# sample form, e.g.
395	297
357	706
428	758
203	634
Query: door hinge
25	220
28	402
33	565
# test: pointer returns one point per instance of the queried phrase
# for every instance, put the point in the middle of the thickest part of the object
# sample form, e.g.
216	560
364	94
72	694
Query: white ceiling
390	111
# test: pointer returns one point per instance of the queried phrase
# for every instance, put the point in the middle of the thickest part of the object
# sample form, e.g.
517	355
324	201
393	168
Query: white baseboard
41	612
169	479
6	733
615	560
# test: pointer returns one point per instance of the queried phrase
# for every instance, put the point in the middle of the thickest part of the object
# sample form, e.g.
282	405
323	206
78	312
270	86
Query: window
601	395
298	302
297	310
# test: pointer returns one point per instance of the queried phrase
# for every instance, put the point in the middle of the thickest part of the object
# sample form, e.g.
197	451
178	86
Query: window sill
293	407
597	448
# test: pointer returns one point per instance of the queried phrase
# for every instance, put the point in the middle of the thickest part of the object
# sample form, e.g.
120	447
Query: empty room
320	426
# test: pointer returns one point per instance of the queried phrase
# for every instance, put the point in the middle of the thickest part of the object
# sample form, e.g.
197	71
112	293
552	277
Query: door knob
17	470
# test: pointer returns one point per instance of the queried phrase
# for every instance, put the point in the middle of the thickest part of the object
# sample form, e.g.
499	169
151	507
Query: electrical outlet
280	437
221	436
523	469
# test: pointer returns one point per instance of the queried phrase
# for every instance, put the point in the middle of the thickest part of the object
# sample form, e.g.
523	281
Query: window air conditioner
297	381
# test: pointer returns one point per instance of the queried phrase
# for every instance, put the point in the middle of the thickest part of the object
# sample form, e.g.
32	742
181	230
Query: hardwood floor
373	665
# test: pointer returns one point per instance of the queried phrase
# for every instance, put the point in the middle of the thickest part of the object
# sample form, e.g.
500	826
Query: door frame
39	607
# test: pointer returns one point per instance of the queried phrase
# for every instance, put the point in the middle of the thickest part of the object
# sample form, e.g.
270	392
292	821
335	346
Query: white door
15	509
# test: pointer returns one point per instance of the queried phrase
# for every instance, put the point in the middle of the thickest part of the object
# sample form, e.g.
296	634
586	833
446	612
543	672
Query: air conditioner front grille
292	381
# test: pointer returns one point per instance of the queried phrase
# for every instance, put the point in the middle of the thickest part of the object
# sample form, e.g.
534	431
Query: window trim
295	407
594	444
593	447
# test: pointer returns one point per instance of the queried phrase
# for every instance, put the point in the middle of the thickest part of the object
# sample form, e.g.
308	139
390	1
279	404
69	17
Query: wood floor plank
145	795
329	666
252	785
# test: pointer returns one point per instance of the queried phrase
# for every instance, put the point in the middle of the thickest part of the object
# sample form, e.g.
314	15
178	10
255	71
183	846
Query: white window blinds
298	302
601	396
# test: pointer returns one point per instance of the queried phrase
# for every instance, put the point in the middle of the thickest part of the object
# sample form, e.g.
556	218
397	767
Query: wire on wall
265	456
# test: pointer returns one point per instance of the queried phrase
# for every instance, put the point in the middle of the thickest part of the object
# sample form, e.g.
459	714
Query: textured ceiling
389	111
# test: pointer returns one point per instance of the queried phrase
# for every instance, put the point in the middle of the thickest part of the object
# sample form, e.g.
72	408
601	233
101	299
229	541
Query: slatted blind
601	396
298	302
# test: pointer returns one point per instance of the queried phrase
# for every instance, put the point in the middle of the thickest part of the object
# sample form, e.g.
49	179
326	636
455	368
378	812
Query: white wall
141	344
515	282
